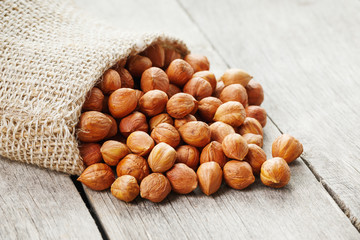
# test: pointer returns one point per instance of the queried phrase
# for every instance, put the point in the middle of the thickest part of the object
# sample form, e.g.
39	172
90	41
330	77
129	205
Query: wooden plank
307	55
41	204
302	210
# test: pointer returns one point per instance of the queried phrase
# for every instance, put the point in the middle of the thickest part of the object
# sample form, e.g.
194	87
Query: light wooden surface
306	55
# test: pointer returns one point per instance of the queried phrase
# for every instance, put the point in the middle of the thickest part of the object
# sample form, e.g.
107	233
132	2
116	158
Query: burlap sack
51	55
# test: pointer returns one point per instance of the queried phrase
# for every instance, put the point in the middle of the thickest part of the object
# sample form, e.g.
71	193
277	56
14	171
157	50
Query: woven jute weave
51	55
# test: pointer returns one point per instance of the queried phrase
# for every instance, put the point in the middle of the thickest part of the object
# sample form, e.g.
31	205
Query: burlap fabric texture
51	55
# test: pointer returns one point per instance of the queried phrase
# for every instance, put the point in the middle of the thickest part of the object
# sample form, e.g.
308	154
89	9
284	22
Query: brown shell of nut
138	64
166	133
140	143
179	72
255	157
98	176
256	112
255	93
93	126
234	92
219	87
287	147
156	54
213	152
94	100
153	102
173	89
162	157
232	113
197	62
251	125
114	128
236	76
188	155
170	55
183	179
209	177
122	102
253	139
160	118
155	187
90	153
238	175
125	188
235	146
207	108
275	173
220	130
110	81
208	76
133	122
133	165
113	151
178	122
180	105
154	78
198	87
127	80
195	133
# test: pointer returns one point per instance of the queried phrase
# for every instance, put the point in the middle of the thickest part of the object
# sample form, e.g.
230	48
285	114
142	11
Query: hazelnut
138	95
253	139
208	76
236	76
173	89
256	112
220	130
198	62
255	157
127	80
170	55
209	176
213	152
208	107
138	64
122	102
235	146
179	72
110	81
251	125
98	176
161	118
232	113
198	87
183	179
133	165
120	64
178	122
255	93
133	122
156	54
154	78
195	133
287	147
238	174
153	102
93	126
94	100
105	108
90	153
188	155
166	133
114	129
180	105
234	92
125	188
112	151
275	173
155	187
219	87
162	157
140	143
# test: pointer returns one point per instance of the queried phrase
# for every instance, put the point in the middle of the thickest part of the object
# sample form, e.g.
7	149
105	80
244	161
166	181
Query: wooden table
306	54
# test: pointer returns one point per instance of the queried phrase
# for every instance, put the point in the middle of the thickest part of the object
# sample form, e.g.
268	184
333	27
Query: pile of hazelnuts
163	123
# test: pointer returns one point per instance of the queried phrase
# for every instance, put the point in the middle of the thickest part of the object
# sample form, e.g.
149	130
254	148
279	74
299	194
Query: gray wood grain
41	204
302	210
307	55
